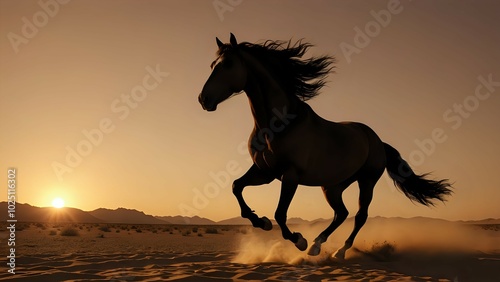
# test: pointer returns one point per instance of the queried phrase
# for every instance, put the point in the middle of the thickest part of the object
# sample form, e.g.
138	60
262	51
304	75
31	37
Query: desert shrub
186	233
104	228
138	230
22	226
40	225
117	230
195	229
69	231
200	235
211	230
52	232
100	235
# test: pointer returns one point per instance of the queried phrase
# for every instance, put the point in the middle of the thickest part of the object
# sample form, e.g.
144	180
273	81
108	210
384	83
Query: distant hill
296	220
484	221
29	213
234	221
195	220
244	221
125	216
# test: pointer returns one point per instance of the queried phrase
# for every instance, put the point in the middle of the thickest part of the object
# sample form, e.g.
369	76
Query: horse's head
229	76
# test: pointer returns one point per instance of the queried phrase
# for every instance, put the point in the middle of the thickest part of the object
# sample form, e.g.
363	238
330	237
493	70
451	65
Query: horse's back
329	152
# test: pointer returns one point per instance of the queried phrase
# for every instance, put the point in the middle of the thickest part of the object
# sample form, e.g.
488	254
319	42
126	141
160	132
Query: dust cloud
381	239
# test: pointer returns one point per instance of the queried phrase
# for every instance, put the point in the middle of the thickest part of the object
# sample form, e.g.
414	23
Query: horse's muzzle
206	104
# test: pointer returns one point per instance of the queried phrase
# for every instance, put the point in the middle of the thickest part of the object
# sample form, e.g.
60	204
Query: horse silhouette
291	143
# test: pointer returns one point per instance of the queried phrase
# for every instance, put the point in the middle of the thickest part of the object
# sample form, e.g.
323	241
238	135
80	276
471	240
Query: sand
384	252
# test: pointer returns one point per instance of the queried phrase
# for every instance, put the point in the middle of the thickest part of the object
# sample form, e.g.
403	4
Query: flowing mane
300	77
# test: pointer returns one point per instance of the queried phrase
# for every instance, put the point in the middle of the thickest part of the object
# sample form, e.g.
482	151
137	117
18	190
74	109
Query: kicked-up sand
385	250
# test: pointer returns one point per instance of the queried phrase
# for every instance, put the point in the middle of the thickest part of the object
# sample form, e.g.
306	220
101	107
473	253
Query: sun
58	203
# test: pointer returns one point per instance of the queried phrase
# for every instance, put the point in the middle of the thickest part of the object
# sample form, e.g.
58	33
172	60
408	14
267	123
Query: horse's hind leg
365	198
333	195
253	177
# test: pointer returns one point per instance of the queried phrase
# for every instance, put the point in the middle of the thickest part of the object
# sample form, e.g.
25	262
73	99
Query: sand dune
388	250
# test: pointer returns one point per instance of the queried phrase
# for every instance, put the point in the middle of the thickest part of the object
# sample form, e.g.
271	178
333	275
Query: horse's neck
267	98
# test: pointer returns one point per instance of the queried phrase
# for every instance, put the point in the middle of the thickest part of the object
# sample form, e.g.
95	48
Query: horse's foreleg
289	183
254	176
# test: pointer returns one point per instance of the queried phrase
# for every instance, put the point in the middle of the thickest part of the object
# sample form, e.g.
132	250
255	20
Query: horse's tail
415	187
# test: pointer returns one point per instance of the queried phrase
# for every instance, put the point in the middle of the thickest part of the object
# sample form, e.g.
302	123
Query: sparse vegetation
211	230
52	232
69	231
104	228
22	226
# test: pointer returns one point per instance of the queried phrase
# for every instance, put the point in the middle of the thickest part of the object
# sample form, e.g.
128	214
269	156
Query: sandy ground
385	252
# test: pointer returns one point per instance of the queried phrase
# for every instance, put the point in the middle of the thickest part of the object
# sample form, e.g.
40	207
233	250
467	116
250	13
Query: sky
98	100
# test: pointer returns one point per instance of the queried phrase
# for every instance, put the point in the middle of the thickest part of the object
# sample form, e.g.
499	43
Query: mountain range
29	213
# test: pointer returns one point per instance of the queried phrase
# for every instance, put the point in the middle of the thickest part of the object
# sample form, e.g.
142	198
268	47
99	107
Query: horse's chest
265	159
263	152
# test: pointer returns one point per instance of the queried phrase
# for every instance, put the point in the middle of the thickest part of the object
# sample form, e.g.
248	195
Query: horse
293	144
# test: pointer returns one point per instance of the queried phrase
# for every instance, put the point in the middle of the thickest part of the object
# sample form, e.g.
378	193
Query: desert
390	249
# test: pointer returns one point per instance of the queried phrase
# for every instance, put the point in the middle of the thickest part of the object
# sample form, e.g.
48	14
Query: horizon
249	223
99	105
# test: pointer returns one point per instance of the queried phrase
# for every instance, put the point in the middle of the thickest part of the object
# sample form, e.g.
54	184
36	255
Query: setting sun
58	203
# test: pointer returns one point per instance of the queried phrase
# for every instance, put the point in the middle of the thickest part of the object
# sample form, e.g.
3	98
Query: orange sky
68	69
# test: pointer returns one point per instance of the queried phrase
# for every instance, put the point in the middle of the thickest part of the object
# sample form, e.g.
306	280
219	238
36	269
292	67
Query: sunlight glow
58	203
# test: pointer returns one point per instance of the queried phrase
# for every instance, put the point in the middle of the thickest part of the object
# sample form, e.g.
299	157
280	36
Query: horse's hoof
314	250
267	223
339	255
301	243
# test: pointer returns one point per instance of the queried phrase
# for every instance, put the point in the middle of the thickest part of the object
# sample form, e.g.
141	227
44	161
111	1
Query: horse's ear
233	41
219	43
